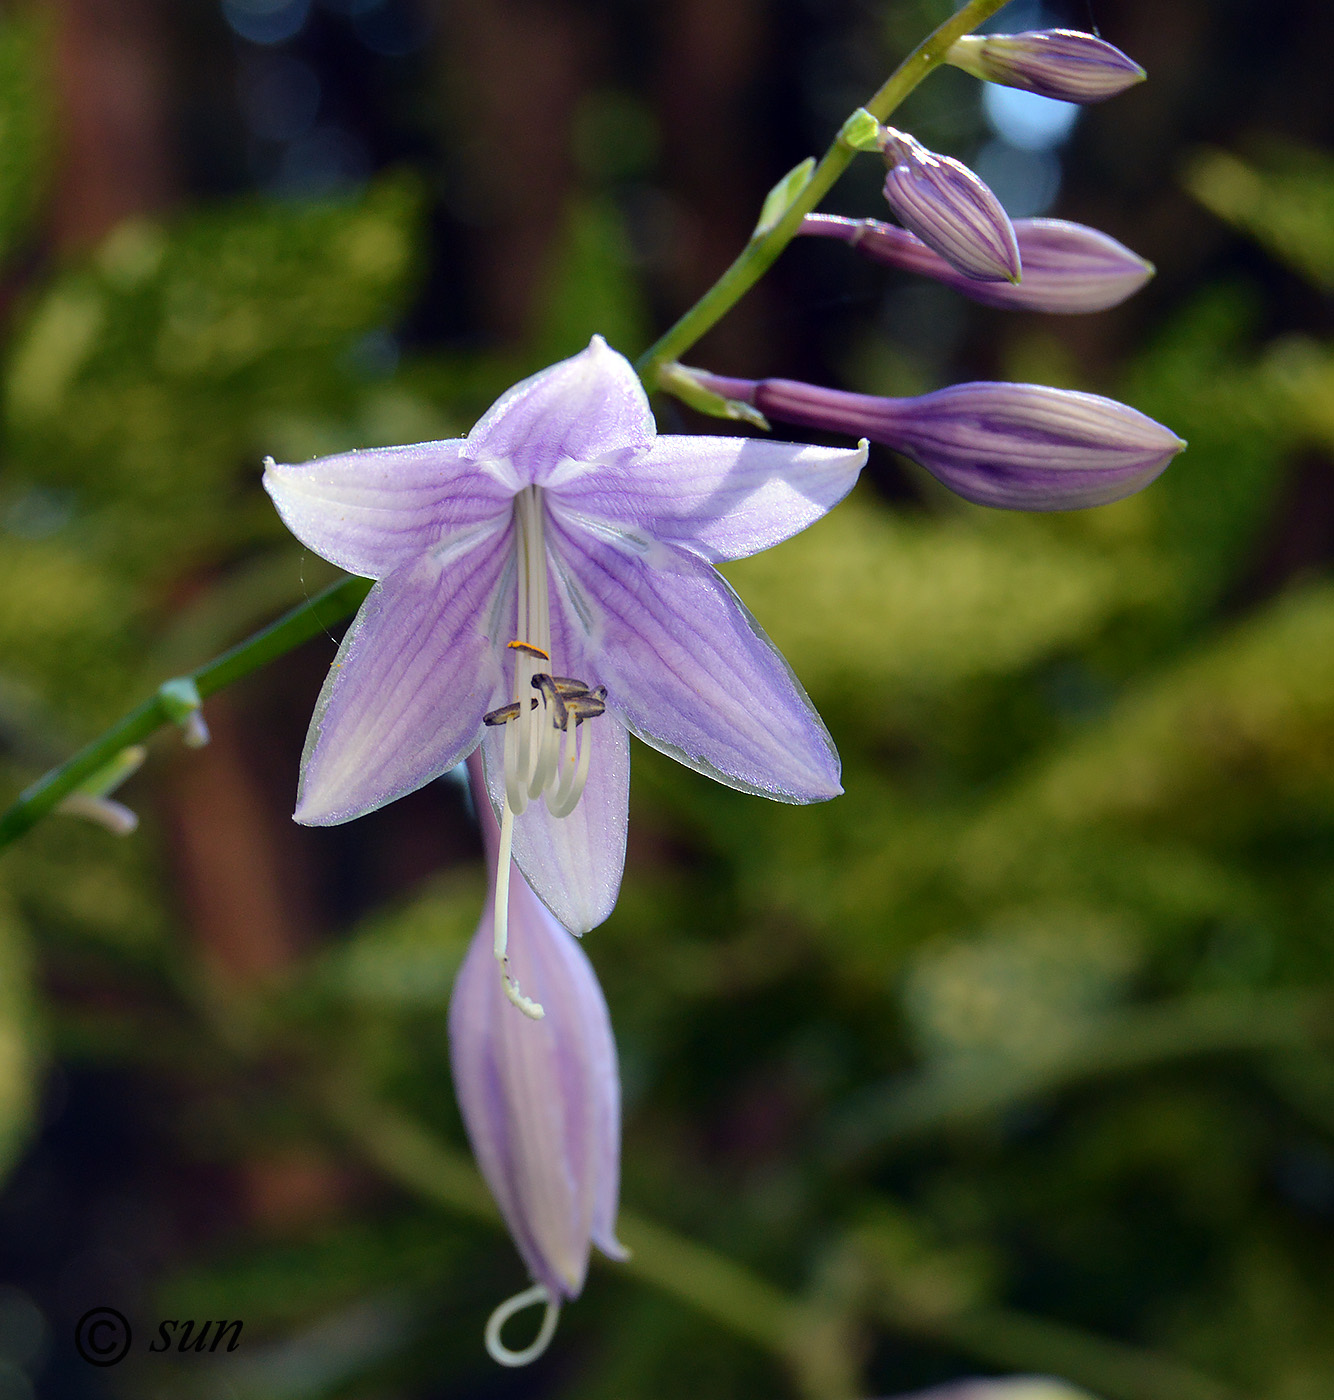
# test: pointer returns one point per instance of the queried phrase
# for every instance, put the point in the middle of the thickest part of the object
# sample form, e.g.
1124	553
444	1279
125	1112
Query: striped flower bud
1015	446
540	1098
1060	63
950	209
1068	268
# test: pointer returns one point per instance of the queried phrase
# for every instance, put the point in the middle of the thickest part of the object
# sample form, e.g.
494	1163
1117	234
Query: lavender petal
1069	268
369	512
688	669
724	497
574	412
540	1099
950	209
574	863
404	698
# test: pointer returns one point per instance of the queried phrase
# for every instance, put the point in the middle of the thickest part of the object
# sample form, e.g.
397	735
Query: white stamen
543	757
501	921
538	1293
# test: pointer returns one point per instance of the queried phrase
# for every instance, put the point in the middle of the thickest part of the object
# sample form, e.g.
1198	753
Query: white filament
538	1293
543	757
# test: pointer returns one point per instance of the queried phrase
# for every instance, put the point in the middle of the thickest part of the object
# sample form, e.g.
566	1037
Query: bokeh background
1019	1057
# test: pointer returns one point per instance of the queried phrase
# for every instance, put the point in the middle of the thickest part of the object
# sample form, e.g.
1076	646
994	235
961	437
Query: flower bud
950	209
540	1098
1015	446
1060	63
1068	268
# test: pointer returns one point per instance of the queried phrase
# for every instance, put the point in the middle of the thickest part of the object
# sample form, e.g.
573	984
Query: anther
529	649
587	706
555	701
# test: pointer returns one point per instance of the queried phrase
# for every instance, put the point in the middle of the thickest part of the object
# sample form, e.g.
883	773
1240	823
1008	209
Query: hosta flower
1061	63
548	581
1068	268
540	1099
1015	446
950	209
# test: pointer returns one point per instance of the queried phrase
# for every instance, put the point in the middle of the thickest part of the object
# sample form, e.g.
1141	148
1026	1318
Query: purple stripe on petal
404	698
725	497
540	1099
1068	268
689	670
1016	446
580	410
369	512
950	209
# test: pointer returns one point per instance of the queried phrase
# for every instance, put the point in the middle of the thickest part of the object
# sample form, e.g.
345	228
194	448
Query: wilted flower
950	209
541	1100
1018	446
1060	63
1068	268
548	581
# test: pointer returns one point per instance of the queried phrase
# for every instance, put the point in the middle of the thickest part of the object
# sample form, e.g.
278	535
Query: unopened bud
950	209
1060	63
1014	446
1068	268
540	1098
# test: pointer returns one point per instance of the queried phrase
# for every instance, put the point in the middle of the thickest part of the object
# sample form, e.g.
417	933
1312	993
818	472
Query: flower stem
297	626
761	252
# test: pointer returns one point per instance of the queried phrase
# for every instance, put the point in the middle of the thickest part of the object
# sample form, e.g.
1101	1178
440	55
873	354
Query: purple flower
1060	63
548	582
1016	446
1068	268
541	1100
949	209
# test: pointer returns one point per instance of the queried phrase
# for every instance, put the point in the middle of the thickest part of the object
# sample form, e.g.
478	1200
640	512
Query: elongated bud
1060	63
1068	268
950	209
540	1098
1015	446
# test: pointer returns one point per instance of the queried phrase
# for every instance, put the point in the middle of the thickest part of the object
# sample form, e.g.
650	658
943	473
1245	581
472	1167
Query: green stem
760	253
295	627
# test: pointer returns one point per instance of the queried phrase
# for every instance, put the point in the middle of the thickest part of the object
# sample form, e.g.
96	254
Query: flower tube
950	209
540	1098
1061	63
1068	268
1014	446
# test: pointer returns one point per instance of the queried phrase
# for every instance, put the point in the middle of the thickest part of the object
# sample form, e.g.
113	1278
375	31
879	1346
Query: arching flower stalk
547	582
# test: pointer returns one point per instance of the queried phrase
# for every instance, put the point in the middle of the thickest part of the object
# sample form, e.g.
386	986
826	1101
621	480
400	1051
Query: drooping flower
548	581
1062	63
540	1099
1068	268
1016	446
949	208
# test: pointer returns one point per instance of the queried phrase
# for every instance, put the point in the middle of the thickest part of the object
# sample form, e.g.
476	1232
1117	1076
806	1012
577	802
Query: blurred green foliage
1015	1057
